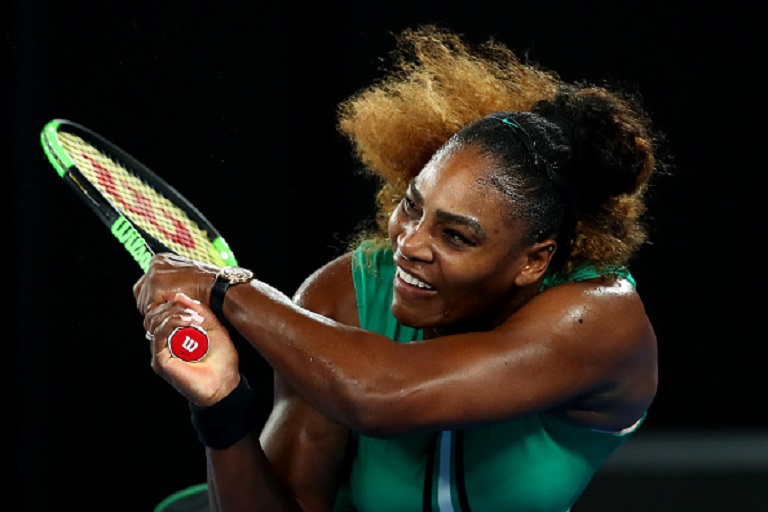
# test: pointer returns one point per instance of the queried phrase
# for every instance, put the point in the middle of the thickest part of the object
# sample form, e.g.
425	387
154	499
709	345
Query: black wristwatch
227	277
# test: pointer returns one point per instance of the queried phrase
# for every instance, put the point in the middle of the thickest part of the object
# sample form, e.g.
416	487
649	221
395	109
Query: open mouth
412	280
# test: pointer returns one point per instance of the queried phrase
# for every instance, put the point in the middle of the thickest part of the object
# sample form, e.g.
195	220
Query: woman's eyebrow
449	217
469	222
415	194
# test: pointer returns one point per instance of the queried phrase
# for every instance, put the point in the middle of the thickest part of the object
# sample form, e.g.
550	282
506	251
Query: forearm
295	464
381	388
240	478
343	371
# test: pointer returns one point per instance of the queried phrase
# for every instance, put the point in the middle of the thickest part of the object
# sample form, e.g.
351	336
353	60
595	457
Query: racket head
145	213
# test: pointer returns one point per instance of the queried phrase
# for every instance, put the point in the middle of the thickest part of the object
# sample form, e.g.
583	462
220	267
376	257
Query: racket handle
188	343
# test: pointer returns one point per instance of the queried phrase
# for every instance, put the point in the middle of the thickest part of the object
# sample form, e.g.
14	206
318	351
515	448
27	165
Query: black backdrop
233	103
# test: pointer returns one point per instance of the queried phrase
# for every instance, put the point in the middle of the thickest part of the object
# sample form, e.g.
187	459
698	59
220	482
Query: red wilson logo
143	206
189	343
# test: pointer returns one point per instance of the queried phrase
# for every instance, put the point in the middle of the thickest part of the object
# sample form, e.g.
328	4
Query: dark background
233	103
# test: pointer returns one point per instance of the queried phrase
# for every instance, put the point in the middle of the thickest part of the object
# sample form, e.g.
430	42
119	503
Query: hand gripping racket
142	211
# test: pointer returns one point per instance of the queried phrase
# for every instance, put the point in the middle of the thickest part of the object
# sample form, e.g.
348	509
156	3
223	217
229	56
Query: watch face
236	274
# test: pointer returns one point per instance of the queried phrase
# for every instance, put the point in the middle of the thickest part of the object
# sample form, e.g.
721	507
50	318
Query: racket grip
188	343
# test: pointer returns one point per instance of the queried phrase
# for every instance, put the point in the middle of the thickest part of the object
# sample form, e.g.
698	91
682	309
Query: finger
157	314
139	295
200	312
137	290
161	325
163	319
188	302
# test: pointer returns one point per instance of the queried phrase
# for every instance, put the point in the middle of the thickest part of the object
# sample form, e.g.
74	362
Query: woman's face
457	248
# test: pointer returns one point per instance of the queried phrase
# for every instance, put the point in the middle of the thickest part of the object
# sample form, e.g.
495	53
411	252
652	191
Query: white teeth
408	278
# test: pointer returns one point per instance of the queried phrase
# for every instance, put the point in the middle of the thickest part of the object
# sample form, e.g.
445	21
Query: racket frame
136	241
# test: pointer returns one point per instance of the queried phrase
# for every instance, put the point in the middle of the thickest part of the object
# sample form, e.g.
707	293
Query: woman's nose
414	243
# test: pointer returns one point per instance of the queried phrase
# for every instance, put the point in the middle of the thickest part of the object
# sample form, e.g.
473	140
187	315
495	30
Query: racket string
141	203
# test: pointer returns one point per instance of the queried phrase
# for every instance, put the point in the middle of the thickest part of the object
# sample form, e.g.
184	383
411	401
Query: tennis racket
144	213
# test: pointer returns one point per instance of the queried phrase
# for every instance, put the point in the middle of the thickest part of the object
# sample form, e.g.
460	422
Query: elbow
374	423
375	411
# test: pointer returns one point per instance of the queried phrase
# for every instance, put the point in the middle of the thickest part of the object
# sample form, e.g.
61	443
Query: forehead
460	181
464	168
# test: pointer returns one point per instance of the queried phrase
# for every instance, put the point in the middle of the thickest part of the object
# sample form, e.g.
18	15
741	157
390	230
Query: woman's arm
240	477
579	348
295	465
576	346
305	448
296	462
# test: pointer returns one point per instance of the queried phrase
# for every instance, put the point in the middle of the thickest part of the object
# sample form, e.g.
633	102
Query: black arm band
227	421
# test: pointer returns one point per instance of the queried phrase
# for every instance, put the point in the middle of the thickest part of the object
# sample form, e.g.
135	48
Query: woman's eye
409	206
457	238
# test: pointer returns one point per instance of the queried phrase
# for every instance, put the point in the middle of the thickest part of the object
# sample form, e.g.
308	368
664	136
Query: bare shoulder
607	322
330	291
614	311
602	330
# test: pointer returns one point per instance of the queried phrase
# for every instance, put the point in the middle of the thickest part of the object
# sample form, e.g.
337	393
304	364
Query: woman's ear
539	256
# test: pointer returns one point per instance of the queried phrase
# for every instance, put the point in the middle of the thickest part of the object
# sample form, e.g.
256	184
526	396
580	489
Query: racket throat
133	242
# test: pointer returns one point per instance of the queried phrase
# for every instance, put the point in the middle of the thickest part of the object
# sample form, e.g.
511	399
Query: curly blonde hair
439	85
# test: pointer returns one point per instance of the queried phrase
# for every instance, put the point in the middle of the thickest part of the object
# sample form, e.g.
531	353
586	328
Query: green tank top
537	463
